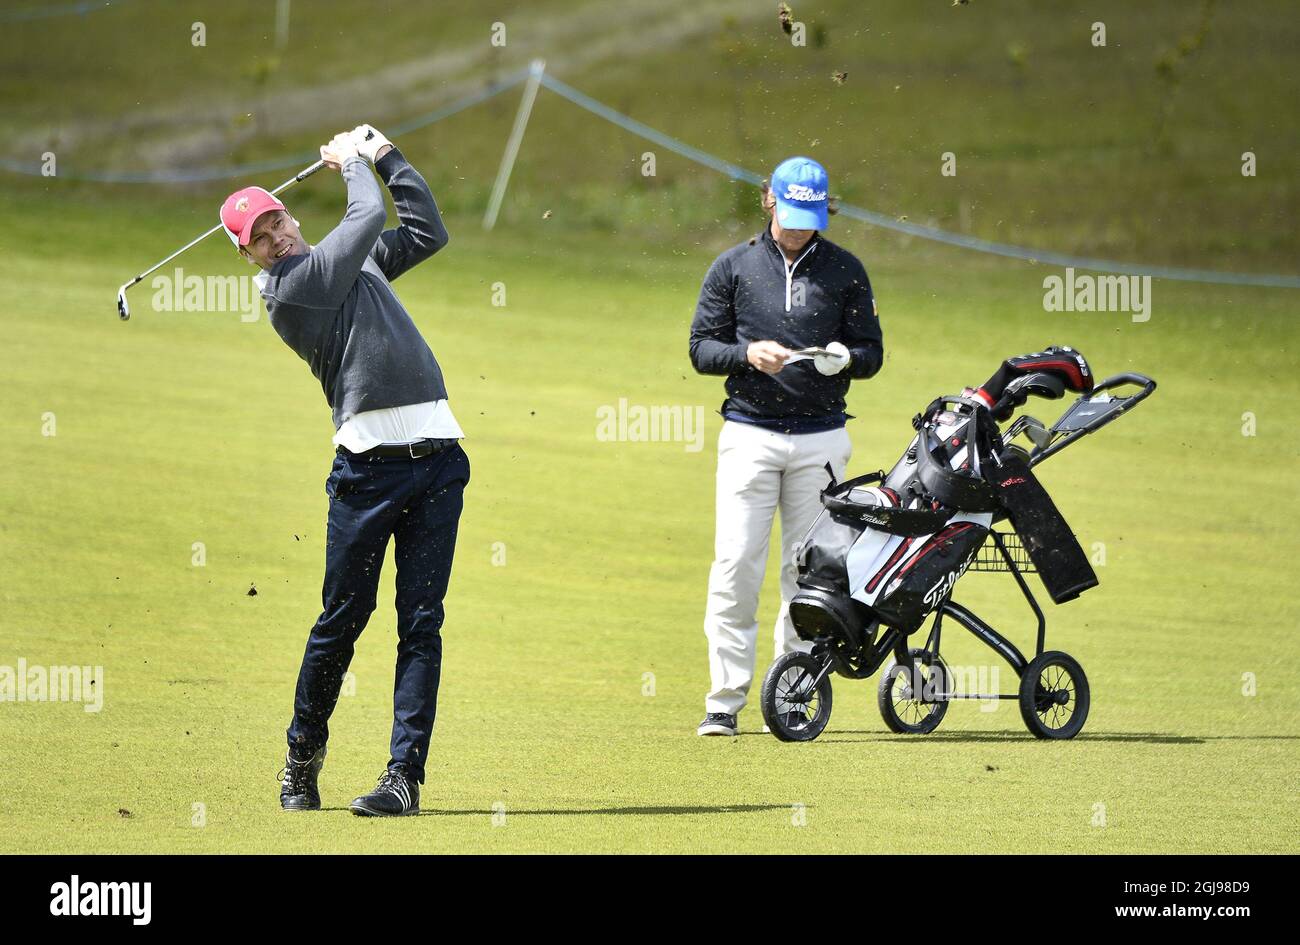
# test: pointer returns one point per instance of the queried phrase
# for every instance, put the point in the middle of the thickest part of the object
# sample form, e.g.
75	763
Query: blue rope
733	171
201	175
1050	257
65	9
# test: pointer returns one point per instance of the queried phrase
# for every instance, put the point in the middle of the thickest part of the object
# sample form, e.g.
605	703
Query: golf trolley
886	552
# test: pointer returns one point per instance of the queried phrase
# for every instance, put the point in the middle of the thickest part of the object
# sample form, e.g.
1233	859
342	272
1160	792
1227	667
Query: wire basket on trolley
990	558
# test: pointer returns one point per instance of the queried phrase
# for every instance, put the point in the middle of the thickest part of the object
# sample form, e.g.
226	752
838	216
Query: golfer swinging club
761	304
399	470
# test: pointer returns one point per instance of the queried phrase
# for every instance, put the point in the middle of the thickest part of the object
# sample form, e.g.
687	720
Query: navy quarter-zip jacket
752	293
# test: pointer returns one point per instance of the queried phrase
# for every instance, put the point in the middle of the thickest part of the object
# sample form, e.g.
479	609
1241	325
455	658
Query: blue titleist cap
800	187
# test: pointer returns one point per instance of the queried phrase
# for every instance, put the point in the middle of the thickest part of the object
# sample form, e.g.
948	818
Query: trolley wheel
794	709
1054	696
906	711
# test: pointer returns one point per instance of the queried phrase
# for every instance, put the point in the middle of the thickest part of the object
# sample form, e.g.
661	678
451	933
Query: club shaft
300	176
156	266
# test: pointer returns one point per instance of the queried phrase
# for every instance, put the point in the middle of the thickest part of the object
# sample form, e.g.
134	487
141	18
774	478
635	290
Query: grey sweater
334	306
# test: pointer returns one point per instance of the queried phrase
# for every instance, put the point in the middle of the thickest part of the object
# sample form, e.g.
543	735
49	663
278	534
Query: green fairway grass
177	428
575	664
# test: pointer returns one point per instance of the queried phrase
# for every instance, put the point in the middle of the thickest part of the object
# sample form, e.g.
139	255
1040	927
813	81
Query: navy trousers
417	502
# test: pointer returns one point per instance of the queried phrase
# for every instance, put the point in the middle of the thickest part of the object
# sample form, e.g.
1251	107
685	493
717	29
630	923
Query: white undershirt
432	420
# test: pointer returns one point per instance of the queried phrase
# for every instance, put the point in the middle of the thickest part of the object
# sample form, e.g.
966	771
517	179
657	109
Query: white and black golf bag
888	549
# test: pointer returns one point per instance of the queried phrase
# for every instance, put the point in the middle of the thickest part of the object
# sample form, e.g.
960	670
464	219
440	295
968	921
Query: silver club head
123	311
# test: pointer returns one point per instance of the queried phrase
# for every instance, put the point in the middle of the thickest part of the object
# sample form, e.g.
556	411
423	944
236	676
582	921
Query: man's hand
835	359
341	147
768	356
371	148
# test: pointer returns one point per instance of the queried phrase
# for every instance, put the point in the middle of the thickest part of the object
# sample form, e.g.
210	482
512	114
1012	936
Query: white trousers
759	471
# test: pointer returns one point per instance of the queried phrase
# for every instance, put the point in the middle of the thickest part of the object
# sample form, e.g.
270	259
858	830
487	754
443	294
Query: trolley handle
1119	380
1123	405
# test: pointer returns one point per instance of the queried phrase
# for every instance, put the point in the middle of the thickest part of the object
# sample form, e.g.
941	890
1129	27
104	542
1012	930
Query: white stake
281	24
512	146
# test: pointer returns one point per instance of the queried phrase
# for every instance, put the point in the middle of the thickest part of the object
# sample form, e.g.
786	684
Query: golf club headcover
1045	384
1063	363
1044	532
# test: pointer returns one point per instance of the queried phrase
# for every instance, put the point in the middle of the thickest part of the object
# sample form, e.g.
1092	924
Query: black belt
417	450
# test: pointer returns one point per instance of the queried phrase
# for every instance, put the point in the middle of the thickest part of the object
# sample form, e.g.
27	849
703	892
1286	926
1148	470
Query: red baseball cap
241	210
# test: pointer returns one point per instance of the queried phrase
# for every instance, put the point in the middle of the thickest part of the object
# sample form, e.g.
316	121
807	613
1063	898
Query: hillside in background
1132	151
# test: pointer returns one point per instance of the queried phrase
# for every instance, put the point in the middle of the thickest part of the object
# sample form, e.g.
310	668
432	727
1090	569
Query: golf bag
888	549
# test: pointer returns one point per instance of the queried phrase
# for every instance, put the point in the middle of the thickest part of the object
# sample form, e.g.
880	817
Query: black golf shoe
298	789
396	795
717	723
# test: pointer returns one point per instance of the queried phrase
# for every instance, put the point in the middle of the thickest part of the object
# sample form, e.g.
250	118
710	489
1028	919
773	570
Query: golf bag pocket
823	606
825	548
850	509
904	578
1051	545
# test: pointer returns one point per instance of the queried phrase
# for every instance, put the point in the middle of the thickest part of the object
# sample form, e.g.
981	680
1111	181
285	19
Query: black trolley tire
775	721
885	697
1031	697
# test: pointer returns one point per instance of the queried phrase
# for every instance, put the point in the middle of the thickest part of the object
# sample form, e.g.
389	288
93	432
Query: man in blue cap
789	319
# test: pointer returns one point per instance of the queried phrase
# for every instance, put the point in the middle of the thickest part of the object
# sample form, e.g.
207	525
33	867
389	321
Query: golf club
124	311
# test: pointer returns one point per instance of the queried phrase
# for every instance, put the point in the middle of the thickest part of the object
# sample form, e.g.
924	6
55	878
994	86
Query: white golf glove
835	359
368	147
340	148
